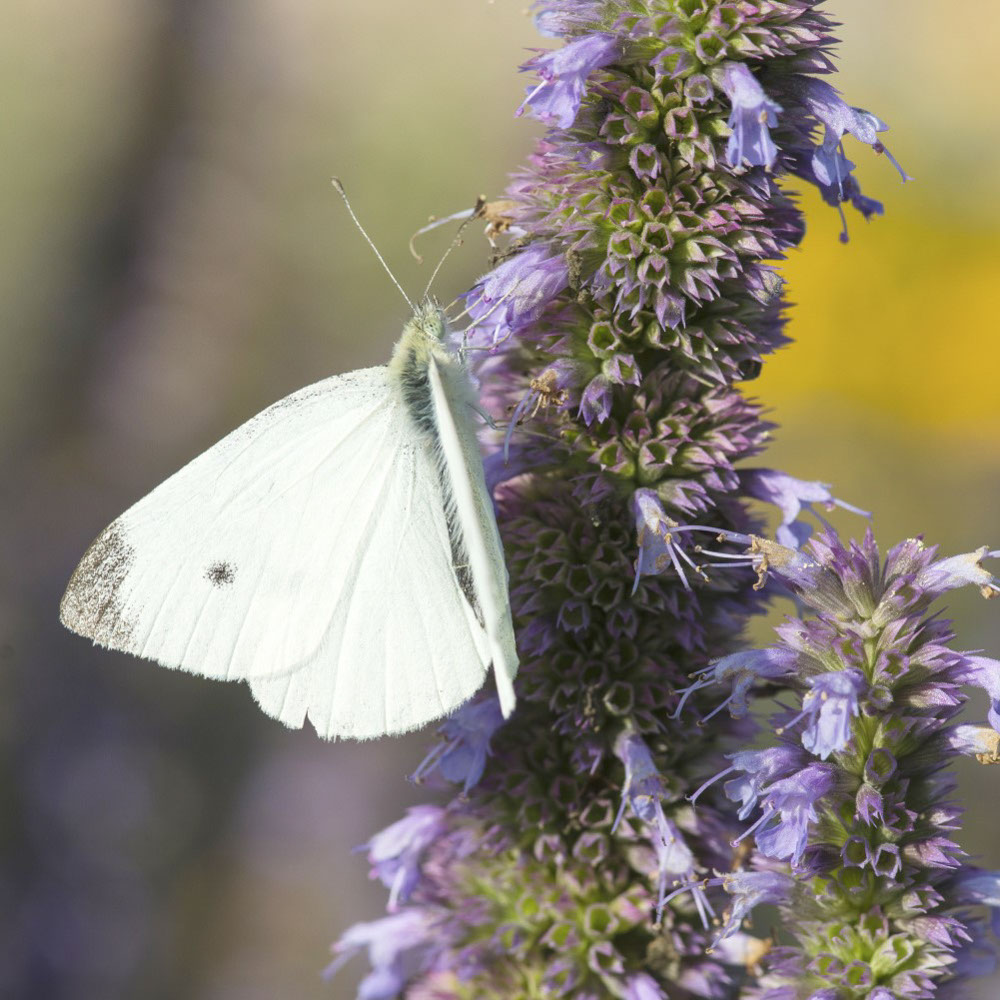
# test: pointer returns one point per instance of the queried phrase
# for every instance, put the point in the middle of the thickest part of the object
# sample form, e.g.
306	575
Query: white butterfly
339	552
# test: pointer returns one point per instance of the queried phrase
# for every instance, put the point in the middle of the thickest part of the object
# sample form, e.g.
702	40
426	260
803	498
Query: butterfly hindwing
406	648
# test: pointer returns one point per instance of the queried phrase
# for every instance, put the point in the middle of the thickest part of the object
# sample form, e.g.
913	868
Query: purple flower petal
753	114
791	496
514	294
395	852
563	74
461	755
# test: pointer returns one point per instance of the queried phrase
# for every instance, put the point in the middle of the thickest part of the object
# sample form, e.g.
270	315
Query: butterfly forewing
207	571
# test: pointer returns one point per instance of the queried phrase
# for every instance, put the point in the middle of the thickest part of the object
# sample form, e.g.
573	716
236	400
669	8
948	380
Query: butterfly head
430	320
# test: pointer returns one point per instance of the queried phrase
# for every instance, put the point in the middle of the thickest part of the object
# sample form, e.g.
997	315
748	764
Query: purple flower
760	767
514	294
835	181
556	18
742	670
828	707
840	119
979	887
642	987
395	852
976	887
642	791
984	672
795	568
981	742
595	402
563	74
654	537
748	889
658	549
461	755
957	571
789	806
643	784
752	115
791	496
399	946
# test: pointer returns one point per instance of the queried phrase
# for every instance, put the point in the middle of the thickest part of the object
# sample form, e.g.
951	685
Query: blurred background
173	259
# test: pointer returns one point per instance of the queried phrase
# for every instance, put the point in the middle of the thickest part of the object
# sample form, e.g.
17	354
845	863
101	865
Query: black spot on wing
220	574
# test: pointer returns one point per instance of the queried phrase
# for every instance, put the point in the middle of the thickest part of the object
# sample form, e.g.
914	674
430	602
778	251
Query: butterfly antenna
361	229
477	211
433	223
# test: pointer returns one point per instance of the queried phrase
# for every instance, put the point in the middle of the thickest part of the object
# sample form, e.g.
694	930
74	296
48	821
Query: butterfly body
338	552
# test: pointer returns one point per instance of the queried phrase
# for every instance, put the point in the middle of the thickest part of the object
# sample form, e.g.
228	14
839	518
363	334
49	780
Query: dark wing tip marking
220	574
92	605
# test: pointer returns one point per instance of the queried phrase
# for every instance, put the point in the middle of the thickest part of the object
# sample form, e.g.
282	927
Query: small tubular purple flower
395	852
748	889
461	755
399	946
657	547
831	171
789	808
840	119
643	784
563	74
828	708
514	294
957	571
984	672
643	987
674	857
595	403
976	887
760	767
831	168
557	18
791	496
795	568
752	115
742	670
751	889
653	531
642	791
981	742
